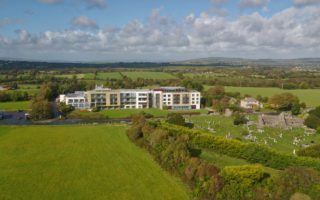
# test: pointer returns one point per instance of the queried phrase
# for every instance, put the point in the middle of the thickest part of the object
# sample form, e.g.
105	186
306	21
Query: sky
158	30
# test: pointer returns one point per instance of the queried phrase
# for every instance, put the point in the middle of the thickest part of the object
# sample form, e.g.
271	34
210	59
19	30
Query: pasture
148	75
276	138
79	162
14	105
309	96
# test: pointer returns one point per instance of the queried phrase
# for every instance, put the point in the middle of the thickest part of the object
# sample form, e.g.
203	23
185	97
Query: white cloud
84	22
293	32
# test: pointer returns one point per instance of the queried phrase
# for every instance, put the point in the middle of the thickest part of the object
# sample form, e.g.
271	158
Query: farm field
79	76
148	75
103	76
79	162
14	105
309	96
276	138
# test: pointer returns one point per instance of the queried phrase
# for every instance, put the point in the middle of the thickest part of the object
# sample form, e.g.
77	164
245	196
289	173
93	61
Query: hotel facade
172	98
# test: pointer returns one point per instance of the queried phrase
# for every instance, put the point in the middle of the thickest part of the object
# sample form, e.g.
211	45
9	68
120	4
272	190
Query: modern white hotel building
172	98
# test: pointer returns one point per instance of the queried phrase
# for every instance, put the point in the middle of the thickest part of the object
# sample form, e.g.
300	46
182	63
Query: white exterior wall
137	99
249	104
195	99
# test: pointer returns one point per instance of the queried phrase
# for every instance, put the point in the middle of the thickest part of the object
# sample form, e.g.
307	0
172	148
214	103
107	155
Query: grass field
125	113
14	105
79	162
148	75
79	76
276	138
309	96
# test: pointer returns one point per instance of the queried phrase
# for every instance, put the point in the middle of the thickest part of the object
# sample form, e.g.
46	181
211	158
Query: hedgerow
251	152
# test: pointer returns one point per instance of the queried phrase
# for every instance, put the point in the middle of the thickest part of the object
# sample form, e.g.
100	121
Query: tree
216	92
65	109
41	109
220	104
283	102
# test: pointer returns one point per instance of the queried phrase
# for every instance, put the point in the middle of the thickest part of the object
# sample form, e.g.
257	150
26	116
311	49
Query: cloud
84	22
305	2
9	21
50	1
253	3
293	32
100	4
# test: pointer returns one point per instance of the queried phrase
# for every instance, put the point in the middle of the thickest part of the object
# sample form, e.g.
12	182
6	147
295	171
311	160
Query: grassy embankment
79	162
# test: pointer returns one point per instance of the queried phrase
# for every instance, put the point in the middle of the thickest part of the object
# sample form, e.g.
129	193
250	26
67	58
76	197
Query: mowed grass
148	75
14	105
79	162
309	96
125	113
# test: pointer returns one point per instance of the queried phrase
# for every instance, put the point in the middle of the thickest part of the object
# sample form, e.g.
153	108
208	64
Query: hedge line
251	152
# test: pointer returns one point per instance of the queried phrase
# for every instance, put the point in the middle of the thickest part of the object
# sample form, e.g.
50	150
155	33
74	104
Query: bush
251	152
313	120
294	180
240	119
247	175
311	151
175	118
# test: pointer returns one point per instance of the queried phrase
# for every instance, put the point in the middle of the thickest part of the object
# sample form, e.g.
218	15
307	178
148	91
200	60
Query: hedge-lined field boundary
251	152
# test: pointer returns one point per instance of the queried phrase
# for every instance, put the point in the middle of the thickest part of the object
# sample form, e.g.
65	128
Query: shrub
251	152
240	119
294	180
247	175
176	118
312	121
311	151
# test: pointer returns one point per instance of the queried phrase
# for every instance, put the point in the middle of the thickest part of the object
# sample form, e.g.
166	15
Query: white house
250	103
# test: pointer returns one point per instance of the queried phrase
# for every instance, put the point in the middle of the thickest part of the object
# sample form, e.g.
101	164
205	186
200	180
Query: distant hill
7	64
223	61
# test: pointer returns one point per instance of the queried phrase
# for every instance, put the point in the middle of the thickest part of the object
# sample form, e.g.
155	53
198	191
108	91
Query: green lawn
155	112
80	162
14	105
128	112
276	138
309	96
148	75
125	113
